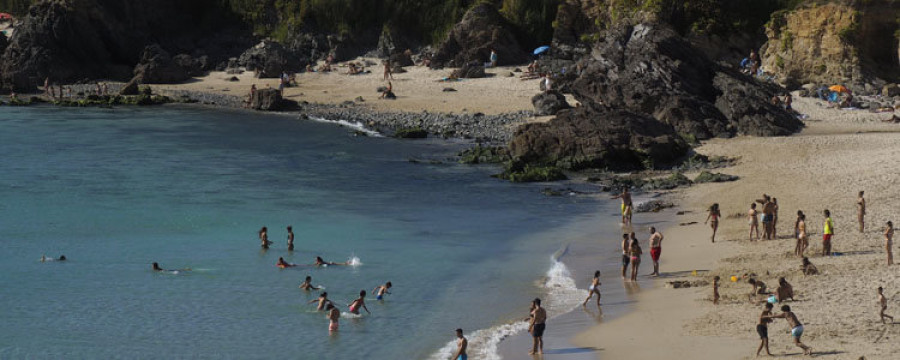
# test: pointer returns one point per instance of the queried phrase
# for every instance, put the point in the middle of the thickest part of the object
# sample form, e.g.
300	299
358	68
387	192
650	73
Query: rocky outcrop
157	67
592	136
269	100
469	72
481	29
838	42
270	59
549	103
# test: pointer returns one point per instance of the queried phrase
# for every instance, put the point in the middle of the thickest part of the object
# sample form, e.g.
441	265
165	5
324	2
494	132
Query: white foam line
355	125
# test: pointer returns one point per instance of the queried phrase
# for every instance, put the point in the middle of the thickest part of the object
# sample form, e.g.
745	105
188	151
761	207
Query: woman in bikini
359	303
889	242
594	289
802	236
635	258
264	237
753	220
713	219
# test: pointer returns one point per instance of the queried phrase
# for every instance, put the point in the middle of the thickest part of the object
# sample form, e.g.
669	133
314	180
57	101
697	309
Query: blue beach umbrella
541	50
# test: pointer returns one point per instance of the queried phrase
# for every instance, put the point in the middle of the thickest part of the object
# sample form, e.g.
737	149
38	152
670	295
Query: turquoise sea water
117	189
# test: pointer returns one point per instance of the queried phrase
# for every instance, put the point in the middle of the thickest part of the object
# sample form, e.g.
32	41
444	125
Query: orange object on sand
840	88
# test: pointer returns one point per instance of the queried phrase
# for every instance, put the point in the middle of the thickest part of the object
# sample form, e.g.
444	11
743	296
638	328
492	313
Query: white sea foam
355	125
354	261
562	296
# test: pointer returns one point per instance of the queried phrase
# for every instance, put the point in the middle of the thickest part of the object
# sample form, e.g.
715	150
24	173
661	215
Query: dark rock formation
269	100
549	103
401	59
191	65
592	136
270	59
157	67
481	29
131	88
469	72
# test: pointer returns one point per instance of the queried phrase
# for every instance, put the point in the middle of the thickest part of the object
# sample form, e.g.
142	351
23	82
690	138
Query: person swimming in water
283	264
307	284
44	258
380	290
159	269
322	262
359	302
322	300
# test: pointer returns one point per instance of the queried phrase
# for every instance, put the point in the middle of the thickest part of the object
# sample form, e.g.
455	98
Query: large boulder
270	59
468	71
549	103
157	67
270	100
481	29
592	136
191	65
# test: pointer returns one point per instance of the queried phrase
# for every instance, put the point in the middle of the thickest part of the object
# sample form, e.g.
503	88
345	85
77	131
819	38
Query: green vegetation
675	180
532	18
779	61
532	173
706	177
484	155
787	41
411	133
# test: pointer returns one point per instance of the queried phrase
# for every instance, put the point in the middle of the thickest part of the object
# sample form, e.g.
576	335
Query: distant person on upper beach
827	234
381	290
322	262
796	327
307	284
334	315
889	242
537	327
264	237
387	70
252	95
883	302
861	211
762	328
800	233
548	82
388	92
635	252
594	288
753	220
290	238
784	290
493	58
656	239
626	257
47	87
808	268
322	300
715	286
626	205
360	302
46	259
461	344
713	219
774	234
284	264
768	216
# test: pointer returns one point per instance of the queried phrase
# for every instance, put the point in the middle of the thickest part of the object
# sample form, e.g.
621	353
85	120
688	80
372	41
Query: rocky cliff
837	42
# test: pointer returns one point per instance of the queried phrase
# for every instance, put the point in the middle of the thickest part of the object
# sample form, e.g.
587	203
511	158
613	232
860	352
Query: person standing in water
380	290
322	300
359	303
626	258
713	219
264	238
334	315
635	252
626	205
594	289
307	284
889	242
461	344
753	220
537	327
762	328
861	211
656	239
883	302
796	327
290	239
827	234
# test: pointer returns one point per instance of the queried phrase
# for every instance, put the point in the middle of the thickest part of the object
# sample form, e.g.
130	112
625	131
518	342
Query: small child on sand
359	302
759	287
594	289
379	291
883	302
808	268
716	290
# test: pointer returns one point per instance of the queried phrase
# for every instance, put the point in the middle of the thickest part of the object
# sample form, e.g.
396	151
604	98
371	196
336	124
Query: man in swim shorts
796	327
625	257
380	290
768	216
461	344
537	327
762	328
656	239
626	205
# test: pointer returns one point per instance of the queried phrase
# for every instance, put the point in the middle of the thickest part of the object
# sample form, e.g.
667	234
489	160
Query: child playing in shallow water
594	289
359	303
333	316
379	291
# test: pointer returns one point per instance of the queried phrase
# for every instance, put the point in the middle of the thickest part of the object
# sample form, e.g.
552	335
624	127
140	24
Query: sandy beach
839	153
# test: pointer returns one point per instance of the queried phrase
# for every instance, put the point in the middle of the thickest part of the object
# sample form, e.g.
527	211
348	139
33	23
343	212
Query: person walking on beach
334	315
861	211
594	289
656	239
716	290
626	257
387	70
883	302
796	327
537	327
889	242
493	58
802	236
290	240
264	238
713	219
762	328
360	302
626	205
461	344
635	252
827	234
753	220
380	290
797	232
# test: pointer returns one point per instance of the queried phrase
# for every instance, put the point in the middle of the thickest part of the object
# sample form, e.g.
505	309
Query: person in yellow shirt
827	234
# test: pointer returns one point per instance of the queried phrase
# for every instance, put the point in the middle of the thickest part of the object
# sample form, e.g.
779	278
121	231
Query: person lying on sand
380	290
796	327
307	284
321	262
883	302
360	302
322	300
808	268
284	264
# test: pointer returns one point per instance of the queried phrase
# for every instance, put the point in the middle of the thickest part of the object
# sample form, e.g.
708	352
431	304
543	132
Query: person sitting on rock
353	69
388	92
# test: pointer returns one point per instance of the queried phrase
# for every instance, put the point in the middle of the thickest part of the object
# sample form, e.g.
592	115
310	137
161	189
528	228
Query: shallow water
117	189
